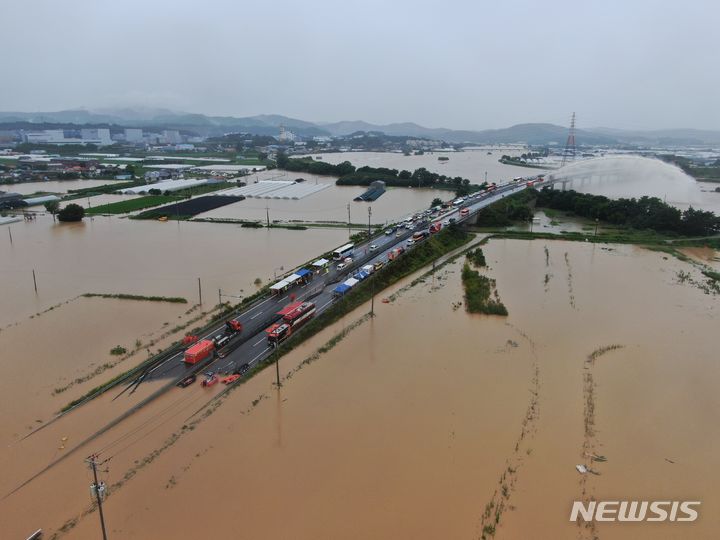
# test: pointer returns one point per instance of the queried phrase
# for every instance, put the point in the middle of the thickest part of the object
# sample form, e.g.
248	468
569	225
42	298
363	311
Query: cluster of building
102	137
15	168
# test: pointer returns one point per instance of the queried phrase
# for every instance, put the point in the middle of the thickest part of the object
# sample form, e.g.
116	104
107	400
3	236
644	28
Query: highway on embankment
261	314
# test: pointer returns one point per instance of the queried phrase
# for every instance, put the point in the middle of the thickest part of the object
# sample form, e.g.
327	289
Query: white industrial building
134	135
99	136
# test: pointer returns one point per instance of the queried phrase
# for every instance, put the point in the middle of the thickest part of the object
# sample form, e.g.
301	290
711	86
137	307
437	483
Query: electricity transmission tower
569	153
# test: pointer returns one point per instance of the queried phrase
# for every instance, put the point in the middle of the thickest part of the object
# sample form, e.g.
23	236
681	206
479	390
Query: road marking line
259	342
256	315
259	355
260	304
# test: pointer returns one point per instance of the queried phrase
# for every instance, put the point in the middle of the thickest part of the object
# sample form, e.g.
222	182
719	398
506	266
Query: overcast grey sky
458	64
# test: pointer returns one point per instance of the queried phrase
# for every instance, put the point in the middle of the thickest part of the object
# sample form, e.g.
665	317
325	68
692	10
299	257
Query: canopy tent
351	282
341	289
321	263
279	286
361	275
303	272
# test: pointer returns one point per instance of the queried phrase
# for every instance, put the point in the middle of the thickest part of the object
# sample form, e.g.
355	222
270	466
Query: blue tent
303	272
341	289
361	275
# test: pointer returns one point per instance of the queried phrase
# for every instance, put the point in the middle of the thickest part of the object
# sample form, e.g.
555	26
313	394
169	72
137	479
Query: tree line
643	213
349	175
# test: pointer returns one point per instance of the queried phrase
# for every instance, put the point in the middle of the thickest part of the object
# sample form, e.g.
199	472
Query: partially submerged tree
53	207
72	212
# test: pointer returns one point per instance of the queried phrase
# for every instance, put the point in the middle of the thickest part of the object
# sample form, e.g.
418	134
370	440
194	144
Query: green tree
282	160
72	212
53	207
436	202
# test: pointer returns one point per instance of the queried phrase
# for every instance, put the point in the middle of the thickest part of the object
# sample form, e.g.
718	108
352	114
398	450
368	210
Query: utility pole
200	291
98	489
372	298
277	365
10	233
348	207
486	177
34	281
369	214
267	215
219	297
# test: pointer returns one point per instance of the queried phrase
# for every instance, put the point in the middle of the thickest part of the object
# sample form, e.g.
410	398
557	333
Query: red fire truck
293	317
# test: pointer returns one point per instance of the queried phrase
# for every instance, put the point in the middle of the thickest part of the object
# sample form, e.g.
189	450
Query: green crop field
123	207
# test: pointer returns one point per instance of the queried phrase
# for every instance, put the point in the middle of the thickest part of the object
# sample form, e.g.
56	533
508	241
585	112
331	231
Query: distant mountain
679	137
522	133
269	124
164	118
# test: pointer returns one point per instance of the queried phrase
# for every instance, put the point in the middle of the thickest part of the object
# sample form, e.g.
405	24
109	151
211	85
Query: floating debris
582	469
596	457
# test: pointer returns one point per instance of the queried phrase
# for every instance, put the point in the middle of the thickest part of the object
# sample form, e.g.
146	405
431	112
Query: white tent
279	286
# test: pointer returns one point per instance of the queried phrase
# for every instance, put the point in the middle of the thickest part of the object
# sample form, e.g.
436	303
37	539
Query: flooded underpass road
425	422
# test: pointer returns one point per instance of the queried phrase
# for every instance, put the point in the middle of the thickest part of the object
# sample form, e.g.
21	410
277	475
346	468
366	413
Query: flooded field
420	429
118	255
43	357
423	422
330	204
470	164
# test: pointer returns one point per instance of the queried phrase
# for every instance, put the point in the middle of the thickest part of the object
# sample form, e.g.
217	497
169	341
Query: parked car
379	265
373	247
242	369
389	231
341	266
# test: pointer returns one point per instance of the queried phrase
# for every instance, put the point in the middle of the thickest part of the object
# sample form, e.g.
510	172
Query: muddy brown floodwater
426	422
118	255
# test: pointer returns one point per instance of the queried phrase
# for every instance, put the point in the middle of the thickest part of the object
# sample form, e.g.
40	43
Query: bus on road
343	251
